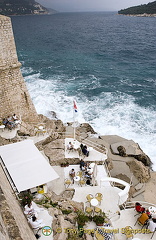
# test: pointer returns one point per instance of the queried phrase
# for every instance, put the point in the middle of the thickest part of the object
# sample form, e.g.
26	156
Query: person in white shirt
152	226
72	174
29	210
70	146
36	223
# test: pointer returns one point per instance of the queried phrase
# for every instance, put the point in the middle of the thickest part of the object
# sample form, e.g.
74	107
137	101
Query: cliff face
21	7
149	9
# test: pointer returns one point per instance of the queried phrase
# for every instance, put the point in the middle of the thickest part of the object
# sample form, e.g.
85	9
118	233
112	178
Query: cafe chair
88	210
89	197
82	182
80	174
97	210
99	197
67	182
153	233
142	220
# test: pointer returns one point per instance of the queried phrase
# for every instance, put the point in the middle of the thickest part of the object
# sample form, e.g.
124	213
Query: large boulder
55	151
131	149
141	172
122	151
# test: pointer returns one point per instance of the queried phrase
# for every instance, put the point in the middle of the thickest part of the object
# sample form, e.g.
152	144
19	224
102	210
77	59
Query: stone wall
14	96
13	223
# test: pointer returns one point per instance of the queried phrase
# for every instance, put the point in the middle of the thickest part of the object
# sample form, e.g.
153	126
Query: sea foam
109	113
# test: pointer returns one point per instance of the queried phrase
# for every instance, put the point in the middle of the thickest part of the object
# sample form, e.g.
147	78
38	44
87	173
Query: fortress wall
14	96
13	223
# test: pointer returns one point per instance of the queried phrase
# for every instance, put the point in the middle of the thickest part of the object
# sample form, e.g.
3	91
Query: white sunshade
26	165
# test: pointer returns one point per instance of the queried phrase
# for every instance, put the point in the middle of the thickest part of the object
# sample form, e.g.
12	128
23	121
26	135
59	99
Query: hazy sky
90	5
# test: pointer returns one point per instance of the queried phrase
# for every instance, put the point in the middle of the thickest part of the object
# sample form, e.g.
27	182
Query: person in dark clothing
82	165
85	151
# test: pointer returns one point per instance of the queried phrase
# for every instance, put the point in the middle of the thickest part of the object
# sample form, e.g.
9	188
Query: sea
104	61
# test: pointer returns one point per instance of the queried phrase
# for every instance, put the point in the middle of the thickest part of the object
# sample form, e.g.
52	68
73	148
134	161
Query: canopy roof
26	165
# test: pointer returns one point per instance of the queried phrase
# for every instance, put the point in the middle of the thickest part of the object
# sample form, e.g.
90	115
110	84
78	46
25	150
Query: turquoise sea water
104	61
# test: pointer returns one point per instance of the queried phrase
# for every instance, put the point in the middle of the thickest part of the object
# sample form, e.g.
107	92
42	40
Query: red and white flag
75	107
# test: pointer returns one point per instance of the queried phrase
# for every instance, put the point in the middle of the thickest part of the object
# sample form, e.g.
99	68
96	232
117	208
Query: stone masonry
14	96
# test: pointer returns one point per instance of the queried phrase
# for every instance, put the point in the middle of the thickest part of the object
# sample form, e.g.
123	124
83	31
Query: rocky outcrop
52	124
84	130
141	172
109	163
131	149
144	159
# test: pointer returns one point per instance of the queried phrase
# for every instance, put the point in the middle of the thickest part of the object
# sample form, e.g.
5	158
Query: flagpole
74	110
74	122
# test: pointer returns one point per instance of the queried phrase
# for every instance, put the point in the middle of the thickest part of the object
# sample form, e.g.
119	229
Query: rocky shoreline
124	156
139	15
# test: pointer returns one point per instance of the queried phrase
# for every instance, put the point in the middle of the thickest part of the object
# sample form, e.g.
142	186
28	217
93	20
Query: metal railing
131	204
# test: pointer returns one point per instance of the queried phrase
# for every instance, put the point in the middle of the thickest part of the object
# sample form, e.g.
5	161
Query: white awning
26	165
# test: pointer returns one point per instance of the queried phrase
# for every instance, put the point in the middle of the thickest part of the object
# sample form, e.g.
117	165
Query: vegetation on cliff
18	7
149	8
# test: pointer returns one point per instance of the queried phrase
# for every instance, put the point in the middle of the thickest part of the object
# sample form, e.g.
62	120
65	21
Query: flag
75	107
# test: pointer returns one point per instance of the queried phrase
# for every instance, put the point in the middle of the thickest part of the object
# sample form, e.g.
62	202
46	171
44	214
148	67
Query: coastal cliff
144	10
18	7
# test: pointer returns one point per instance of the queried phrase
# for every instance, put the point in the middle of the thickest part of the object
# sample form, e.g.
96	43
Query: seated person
70	146
29	210
5	121
72	174
14	117
139	208
152	225
87	174
10	124
36	223
85	151
88	182
82	165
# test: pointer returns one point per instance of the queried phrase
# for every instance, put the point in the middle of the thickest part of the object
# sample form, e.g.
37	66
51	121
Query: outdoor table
152	210
2	127
75	145
77	179
40	127
94	202
92	165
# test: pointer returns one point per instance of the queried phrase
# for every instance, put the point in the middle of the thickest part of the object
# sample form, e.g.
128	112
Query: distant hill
21	7
149	8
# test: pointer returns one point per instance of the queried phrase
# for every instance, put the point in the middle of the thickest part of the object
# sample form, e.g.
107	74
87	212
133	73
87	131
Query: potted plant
99	219
81	220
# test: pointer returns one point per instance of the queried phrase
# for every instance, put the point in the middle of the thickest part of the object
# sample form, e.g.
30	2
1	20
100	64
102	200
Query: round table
40	127
77	178
2	127
92	165
94	202
152	210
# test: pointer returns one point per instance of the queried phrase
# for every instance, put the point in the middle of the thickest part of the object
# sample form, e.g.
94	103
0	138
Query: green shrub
66	211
